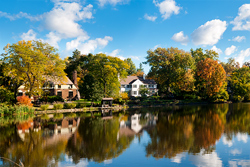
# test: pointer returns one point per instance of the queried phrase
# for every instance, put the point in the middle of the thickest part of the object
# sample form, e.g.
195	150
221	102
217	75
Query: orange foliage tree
24	100
211	79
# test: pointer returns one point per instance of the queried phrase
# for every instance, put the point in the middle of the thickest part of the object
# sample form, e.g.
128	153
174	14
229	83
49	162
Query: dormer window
70	86
59	86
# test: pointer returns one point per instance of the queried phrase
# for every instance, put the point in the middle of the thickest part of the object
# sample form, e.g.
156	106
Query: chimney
75	78
144	76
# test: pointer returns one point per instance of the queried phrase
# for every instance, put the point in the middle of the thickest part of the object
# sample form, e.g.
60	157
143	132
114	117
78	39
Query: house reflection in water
136	123
53	130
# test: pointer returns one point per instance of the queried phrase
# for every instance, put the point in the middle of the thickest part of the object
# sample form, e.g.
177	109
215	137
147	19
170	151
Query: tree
29	62
143	90
169	67
199	55
240	83
132	69
230	66
106	70
210	79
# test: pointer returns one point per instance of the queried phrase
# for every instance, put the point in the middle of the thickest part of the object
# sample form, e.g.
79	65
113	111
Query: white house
132	85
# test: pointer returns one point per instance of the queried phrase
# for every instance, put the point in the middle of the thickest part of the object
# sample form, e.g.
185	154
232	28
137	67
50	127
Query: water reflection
214	135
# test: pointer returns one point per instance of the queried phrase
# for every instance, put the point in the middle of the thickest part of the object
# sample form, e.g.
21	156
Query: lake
197	135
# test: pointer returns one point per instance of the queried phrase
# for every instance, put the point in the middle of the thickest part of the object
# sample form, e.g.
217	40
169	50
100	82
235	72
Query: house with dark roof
62	87
132	85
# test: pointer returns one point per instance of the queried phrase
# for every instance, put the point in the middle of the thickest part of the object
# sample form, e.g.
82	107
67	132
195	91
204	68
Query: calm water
208	135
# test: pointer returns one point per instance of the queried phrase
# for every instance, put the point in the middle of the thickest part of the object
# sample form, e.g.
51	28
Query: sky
129	28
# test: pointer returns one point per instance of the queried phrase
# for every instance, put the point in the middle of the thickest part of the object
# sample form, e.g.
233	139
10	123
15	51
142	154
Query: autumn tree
211	80
169	67
240	83
30	62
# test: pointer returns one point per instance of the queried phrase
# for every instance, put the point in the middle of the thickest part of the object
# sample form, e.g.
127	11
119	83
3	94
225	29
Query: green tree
240	83
143	90
169	67
199	55
132	68
30	62
107	70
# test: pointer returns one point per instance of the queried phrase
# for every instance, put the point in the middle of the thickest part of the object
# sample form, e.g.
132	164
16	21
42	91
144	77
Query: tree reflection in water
186	131
97	140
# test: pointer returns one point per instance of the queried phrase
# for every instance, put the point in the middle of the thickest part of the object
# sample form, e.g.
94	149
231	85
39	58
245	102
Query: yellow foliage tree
30	62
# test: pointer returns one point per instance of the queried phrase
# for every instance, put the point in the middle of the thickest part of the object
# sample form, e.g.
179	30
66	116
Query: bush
58	116
4	109
69	105
238	98
24	100
57	106
23	109
44	107
80	105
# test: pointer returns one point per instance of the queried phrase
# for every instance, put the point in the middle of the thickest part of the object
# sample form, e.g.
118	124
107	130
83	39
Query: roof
131	79
107	98
59	80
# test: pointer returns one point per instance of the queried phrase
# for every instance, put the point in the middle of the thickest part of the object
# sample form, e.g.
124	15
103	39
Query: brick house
64	88
132	85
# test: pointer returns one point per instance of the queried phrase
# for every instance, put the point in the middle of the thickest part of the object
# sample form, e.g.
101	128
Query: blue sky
128	28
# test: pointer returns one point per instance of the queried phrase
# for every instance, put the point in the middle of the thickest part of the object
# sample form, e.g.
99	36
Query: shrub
238	98
44	107
69	105
58	116
24	100
80	105
58	106
124	96
22	109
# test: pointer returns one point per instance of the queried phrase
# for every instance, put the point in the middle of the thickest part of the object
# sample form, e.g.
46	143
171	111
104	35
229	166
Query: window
134	86
135	92
70	86
59	93
70	94
20	94
59	86
123	86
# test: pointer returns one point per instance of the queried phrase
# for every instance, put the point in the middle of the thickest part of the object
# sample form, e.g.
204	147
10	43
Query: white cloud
230	50
30	35
115	53
209	33
135	57
227	142
206	160
167	8
242	21
53	39
235	163
241	57
217	50
89	46
242	136
20	15
150	18
235	151
238	39
180	37
64	16
178	157
112	2
108	161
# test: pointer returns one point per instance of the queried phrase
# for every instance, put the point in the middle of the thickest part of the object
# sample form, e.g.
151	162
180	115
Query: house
132	85
64	88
